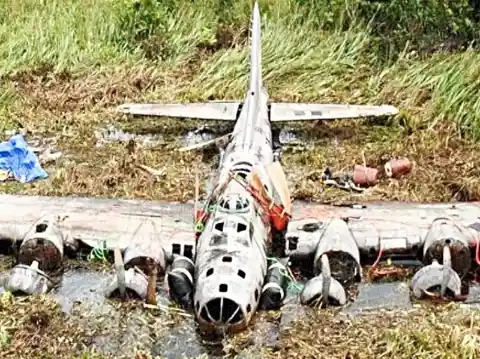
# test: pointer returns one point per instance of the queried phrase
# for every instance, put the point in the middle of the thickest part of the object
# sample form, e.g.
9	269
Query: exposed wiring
377	261
98	253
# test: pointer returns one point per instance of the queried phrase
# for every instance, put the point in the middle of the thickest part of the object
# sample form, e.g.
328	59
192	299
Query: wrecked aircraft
222	267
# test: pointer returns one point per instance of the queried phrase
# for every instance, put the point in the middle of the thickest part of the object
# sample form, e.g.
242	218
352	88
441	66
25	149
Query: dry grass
35	327
421	333
445	166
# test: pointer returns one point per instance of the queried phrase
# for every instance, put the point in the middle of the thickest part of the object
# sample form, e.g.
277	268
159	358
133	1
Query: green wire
98	253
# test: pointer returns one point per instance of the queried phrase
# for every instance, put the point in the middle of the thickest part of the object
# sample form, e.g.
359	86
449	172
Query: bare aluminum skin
231	259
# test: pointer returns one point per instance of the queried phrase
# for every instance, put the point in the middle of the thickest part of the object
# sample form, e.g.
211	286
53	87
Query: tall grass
315	50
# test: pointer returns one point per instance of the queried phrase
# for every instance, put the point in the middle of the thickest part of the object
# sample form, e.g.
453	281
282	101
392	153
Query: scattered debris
365	176
342	180
153	171
113	134
397	167
48	156
29	279
19	161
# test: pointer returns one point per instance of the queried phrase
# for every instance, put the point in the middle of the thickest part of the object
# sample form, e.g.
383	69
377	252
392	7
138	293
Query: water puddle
163	333
112	134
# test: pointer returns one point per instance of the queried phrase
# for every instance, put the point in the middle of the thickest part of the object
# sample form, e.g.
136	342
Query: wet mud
168	332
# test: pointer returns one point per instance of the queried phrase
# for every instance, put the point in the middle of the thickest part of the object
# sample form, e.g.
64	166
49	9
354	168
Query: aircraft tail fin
256	51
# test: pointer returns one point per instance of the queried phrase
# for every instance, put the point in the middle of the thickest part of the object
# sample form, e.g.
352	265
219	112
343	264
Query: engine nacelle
437	276
133	281
338	243
28	280
323	289
43	243
145	246
442	232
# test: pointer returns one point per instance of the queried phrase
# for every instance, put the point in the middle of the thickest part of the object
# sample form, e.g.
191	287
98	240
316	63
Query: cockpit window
219	226
241	227
234	203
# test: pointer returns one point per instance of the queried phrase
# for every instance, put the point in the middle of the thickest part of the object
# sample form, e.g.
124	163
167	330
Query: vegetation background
64	64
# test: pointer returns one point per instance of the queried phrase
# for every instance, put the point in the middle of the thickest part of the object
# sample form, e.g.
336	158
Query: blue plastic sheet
18	159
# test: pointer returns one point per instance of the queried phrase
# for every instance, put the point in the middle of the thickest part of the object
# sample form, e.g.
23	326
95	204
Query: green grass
305	56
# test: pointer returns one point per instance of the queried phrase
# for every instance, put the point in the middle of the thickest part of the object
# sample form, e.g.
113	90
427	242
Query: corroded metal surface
43	243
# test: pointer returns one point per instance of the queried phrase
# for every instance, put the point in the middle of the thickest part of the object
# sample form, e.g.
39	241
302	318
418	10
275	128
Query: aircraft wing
103	222
394	226
309	112
215	110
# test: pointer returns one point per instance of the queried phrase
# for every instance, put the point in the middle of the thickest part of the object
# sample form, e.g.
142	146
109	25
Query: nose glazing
222	311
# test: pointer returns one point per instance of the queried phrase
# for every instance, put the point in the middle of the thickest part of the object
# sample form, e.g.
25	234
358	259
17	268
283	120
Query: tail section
246	113
256	51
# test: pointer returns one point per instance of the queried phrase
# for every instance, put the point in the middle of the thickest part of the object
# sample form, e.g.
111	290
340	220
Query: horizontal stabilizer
226	111
306	111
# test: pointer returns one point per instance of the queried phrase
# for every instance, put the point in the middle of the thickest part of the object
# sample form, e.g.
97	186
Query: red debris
365	176
397	167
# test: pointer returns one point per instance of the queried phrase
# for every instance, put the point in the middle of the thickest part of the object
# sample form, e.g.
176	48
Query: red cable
379	256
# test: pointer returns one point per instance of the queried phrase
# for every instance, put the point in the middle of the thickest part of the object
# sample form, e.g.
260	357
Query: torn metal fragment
43	243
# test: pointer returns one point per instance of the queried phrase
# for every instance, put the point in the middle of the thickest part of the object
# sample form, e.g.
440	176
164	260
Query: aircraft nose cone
222	312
